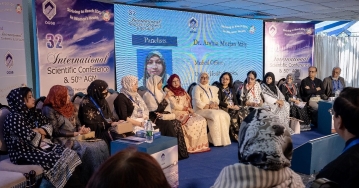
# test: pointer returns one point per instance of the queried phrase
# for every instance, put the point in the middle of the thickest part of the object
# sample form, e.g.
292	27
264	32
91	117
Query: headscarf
177	91
151	86
264	142
57	99
292	85
272	84
127	82
163	62
95	89
16	101
199	80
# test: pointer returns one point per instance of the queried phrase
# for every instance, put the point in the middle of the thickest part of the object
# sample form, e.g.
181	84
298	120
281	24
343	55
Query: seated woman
344	170
264	152
129	105
274	99
24	133
127	169
62	115
194	126
160	113
94	111
228	102
292	96
251	91
205	103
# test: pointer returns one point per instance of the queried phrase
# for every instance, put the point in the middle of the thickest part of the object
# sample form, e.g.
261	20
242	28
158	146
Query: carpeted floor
201	170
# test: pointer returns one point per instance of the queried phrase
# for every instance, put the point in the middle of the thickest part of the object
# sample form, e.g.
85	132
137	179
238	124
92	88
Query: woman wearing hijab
274	99
155	64
205	103
292	96
129	105
194	126
264	151
228	102
62	115
94	111
160	113
25	133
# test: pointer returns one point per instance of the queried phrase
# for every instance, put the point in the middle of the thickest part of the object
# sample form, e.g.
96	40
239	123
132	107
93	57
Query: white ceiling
270	10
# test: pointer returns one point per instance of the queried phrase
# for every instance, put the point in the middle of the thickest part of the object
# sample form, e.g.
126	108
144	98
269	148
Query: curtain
333	51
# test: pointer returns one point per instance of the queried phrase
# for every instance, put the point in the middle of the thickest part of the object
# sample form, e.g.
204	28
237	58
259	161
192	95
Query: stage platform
201	170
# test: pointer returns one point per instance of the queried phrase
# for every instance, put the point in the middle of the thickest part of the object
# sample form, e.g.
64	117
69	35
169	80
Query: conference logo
106	16
163	157
193	25
9	62
49	9
252	29
309	31
272	30
18	8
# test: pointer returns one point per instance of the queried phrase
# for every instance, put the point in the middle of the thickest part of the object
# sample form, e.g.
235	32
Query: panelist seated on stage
311	87
344	170
129	168
264	151
333	84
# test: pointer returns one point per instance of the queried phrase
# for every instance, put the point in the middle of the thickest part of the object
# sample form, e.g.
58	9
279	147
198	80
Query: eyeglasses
331	111
249	78
205	78
312	71
290	78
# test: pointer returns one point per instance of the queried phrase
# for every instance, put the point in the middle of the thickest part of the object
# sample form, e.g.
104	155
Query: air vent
258	14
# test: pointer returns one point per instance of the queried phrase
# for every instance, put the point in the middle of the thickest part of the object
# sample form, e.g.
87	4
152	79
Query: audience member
94	111
264	152
62	115
129	106
160	113
333	84
127	169
25	133
344	170
274	98
205	103
251	91
292	96
194	126
228	102
312	88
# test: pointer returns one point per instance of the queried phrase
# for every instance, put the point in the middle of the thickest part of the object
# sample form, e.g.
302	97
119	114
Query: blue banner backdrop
289	48
75	43
12	48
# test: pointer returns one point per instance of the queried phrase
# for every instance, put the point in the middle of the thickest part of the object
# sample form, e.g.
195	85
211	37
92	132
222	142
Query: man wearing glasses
311	87
333	84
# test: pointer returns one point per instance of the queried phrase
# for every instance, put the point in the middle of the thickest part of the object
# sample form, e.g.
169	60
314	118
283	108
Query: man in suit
311	87
333	83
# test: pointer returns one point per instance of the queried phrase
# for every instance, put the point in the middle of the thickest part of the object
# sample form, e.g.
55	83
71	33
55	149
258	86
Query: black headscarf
95	90
16	101
271	85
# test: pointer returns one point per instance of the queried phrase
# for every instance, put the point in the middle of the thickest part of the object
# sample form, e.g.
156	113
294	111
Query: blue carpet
201	169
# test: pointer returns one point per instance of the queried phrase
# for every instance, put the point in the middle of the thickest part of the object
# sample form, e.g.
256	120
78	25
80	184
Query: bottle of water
149	132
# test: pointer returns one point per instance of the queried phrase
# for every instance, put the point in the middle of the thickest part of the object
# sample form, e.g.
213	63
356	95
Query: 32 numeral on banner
54	40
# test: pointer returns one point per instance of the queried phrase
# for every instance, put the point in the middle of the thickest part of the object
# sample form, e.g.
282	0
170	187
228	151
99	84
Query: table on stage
325	119
164	149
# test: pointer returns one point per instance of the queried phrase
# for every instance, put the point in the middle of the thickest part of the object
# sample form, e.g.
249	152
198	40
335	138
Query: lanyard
206	92
130	97
228	94
153	96
353	143
313	84
289	89
99	109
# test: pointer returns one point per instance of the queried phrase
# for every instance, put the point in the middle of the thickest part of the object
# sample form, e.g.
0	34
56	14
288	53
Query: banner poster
75	43
289	48
12	47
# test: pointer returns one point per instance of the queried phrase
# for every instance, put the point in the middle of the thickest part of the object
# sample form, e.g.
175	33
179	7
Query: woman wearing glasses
344	170
205	103
291	94
251	91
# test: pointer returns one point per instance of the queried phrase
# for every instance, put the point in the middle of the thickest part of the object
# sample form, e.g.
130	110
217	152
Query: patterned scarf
57	99
177	91
16	101
264	142
127	82
271	86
